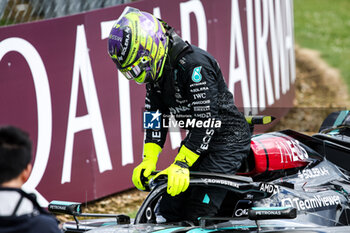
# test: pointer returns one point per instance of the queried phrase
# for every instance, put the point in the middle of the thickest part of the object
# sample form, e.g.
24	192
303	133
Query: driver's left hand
178	172
178	178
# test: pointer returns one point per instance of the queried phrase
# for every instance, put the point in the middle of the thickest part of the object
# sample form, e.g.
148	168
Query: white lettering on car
224	182
313	172
311	203
269	188
291	151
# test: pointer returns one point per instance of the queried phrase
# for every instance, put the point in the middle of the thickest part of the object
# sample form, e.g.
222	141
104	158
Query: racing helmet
138	45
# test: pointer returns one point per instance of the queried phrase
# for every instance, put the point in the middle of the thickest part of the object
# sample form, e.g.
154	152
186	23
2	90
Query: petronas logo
196	75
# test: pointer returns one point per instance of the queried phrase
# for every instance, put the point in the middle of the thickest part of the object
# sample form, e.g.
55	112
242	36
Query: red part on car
273	152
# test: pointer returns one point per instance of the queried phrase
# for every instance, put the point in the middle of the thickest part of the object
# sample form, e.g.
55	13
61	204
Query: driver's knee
203	202
171	208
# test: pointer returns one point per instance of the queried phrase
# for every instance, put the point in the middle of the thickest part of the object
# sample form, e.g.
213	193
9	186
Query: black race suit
193	89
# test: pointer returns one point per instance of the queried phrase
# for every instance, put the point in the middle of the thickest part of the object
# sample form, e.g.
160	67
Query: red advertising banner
58	83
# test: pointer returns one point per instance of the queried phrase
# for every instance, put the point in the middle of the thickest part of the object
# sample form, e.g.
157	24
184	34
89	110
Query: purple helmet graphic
138	45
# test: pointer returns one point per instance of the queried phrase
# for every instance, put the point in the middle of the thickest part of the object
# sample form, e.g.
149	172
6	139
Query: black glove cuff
181	164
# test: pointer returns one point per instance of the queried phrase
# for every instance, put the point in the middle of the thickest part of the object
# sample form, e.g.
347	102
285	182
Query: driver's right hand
147	166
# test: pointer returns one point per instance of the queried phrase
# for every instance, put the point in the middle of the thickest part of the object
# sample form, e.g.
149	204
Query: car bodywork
290	182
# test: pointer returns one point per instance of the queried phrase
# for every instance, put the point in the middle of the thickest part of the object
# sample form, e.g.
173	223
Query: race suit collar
177	49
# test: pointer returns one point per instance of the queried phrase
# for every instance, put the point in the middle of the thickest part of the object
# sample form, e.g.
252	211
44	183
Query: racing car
290	182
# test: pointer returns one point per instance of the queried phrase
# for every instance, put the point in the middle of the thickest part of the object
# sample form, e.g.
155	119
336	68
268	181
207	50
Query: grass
5	22
132	214
324	25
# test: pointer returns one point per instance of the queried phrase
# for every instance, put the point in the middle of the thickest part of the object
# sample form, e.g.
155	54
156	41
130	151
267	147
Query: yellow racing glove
148	164
178	172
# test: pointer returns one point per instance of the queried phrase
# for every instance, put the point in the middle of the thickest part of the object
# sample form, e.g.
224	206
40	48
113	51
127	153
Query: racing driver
183	81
